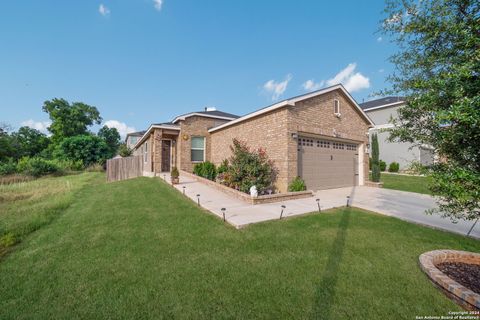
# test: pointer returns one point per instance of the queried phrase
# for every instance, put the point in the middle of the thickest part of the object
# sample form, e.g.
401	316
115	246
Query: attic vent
210	109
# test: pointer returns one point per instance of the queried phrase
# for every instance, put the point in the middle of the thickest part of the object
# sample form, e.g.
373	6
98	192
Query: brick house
320	136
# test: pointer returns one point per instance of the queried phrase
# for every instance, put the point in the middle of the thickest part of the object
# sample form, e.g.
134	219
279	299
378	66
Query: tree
30	141
437	69
111	138
89	149
124	150
375	159
70	120
7	144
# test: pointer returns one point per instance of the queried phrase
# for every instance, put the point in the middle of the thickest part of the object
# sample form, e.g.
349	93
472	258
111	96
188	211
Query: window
336	107
145	152
198	149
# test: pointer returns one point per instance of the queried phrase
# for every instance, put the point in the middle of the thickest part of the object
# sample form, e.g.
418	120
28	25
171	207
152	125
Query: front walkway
408	206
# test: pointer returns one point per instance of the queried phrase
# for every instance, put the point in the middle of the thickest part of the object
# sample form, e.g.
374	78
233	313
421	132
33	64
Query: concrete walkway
404	205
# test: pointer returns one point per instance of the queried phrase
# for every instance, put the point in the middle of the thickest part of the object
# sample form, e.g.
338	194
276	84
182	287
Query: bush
383	165
175	173
249	168
37	166
95	167
206	170
393	167
375	162
370	163
88	149
9	167
223	167
297	185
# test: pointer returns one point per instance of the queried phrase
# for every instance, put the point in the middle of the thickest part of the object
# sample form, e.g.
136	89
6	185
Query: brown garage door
325	164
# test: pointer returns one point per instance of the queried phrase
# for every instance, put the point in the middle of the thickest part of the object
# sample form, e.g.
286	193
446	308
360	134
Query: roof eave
153	126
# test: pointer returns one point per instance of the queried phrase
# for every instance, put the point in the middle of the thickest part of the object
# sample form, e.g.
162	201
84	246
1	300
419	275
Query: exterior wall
402	152
316	116
194	126
268	131
131	141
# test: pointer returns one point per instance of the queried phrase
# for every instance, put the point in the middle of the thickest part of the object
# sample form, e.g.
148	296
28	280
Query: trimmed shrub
375	163
37	166
297	185
206	170
393	167
175	173
223	167
383	165
9	167
249	168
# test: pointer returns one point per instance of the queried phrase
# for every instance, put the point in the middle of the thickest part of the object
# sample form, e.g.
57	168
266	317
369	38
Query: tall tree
89	149
69	120
112	139
30	141
375	159
7	143
438	70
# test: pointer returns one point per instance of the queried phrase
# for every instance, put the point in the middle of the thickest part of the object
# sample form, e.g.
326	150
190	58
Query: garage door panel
326	164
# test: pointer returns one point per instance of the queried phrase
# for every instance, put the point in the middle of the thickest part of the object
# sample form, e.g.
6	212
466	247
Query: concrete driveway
404	205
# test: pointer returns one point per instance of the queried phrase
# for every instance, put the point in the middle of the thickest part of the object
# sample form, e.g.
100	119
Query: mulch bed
468	275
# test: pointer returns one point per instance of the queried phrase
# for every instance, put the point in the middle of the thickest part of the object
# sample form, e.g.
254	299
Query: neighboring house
132	138
320	136
381	111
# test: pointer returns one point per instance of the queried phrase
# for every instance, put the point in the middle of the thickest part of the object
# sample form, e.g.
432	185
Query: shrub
124	150
297	185
88	149
375	160
383	165
223	167
175	173
249	168
9	167
370	163
37	166
95	167
393	167
7	240
206	170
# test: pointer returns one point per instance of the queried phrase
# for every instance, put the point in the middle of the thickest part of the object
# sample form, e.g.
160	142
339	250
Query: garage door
326	164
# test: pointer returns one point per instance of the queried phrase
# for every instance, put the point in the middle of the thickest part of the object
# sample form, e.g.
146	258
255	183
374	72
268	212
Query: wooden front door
166	144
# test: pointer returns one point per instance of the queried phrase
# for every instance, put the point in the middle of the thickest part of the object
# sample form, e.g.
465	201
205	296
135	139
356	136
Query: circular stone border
462	295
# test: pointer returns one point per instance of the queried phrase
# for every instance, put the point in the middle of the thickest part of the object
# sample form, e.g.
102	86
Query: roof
209	114
381	103
291	102
135	134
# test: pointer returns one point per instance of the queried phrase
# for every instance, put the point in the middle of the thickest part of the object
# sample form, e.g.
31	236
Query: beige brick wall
273	132
191	127
268	131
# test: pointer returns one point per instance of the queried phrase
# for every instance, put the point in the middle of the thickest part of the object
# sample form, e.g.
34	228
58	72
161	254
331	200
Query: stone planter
175	180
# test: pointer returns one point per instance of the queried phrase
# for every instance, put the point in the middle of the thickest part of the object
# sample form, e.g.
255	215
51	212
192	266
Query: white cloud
350	80
381	70
158	4
379	39
39	125
276	89
311	85
122	127
104	11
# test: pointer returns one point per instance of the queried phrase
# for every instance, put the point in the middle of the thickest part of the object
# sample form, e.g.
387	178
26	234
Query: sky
146	61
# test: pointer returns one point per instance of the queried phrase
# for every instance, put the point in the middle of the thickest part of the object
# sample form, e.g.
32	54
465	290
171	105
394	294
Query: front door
166	155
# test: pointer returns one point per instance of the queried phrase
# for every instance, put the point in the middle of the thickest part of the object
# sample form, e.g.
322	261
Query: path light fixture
318	204
165	177
281	213
183	190
223	212
198	199
348	201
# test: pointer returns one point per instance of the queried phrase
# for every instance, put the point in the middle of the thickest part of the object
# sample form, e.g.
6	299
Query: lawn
417	184
138	249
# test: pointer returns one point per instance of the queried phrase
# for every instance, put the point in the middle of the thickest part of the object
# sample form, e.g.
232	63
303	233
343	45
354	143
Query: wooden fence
124	168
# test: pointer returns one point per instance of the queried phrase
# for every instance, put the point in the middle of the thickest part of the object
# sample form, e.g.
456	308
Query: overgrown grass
27	206
137	249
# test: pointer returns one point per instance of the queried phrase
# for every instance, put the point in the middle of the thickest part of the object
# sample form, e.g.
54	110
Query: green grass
137	249
416	184
28	206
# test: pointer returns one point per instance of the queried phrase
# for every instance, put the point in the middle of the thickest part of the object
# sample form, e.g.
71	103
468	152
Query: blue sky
144	61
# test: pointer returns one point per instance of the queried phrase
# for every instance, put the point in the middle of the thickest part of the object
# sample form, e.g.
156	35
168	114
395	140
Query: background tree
375	159
69	120
89	149
7	144
438	71
111	138
124	150
30	141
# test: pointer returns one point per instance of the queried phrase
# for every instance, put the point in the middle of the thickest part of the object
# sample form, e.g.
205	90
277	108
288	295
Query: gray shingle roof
380	102
135	134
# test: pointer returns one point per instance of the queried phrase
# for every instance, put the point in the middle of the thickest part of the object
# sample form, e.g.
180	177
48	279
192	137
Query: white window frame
145	153
336	105
204	149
